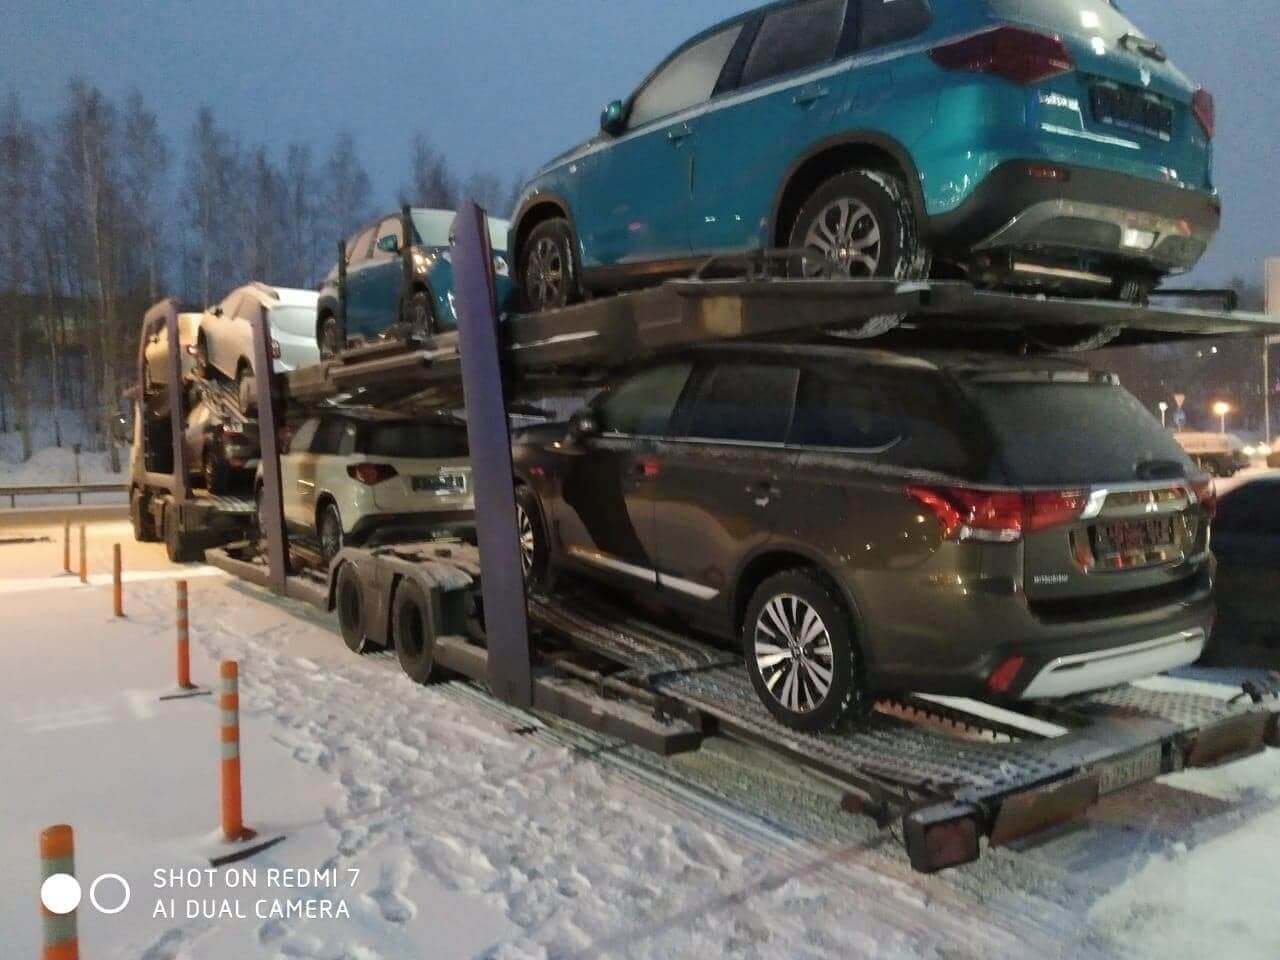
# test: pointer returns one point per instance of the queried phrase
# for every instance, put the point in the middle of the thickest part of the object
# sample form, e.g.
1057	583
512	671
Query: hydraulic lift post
272	512
502	576
181	487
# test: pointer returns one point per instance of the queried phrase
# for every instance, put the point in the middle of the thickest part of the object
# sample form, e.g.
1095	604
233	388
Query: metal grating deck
889	750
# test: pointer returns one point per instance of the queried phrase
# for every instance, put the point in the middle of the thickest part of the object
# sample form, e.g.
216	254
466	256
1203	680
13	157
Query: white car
155	371
355	478
225	341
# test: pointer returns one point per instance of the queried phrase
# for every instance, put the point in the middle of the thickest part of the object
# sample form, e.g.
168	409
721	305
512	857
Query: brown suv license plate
1114	539
1134	768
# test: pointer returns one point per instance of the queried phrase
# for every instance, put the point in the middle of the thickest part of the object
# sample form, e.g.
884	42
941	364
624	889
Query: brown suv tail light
1018	55
998	516
1205	111
371	474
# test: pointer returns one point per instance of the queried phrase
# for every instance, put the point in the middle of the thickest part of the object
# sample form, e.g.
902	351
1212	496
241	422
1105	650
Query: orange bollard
117	595
84	555
57	855
233	829
66	546
184	639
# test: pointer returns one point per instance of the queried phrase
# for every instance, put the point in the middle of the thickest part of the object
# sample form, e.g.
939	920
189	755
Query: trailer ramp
951	776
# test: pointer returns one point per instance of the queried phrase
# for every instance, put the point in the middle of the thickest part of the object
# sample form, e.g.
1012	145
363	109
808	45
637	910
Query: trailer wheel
144	527
178	545
349	601
801	655
411	632
548	269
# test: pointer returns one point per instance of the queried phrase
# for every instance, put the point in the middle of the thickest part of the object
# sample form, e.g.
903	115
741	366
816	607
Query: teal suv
396	292
1022	144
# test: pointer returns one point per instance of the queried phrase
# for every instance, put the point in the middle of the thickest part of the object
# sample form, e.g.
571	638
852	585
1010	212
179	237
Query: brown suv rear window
1074	433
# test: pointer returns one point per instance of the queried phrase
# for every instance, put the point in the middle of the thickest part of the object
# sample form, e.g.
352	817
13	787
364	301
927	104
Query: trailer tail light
1207	495
371	474
1003	677
998	516
1018	55
947	838
1205	111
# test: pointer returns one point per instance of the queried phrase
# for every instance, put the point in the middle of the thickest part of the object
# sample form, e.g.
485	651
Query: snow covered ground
479	831
50	464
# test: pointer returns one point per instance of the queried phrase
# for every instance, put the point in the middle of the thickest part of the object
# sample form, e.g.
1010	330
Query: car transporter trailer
948	774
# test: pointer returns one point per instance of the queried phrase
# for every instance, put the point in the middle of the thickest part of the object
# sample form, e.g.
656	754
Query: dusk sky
501	85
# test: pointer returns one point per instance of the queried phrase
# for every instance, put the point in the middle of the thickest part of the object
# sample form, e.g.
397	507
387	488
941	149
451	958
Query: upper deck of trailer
587	340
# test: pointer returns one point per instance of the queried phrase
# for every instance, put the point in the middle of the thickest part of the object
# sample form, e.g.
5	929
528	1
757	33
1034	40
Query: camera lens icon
61	894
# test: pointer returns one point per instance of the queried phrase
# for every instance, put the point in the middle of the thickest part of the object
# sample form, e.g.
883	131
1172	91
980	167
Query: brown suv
865	522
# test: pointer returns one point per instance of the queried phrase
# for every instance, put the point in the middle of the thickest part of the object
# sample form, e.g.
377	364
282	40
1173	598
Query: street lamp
1164	413
1222	408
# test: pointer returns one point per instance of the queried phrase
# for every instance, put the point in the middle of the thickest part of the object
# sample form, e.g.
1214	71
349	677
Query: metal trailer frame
188	522
618	674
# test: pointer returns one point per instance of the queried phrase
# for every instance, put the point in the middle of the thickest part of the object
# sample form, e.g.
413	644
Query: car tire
178	545
247	392
808	685
216	471
348	601
329	530
144	526
329	338
202	366
548	267
411	633
419	316
862	226
535	554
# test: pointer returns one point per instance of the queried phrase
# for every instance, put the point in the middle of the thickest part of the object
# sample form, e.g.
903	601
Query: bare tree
261	216
431	183
486	190
300	222
348	189
89	125
206	199
145	165
17	168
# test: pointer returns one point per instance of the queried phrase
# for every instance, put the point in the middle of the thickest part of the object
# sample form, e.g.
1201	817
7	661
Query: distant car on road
1221	454
1246	541
350	478
376	302
155	370
225	342
864	522
1036	144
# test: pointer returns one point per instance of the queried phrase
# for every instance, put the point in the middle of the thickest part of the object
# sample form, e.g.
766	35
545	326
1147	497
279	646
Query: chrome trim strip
599	559
696	590
1080	673
1086	135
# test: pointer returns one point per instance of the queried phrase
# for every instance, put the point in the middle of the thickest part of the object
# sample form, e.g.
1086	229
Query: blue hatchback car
1023	144
376	301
